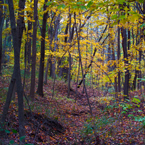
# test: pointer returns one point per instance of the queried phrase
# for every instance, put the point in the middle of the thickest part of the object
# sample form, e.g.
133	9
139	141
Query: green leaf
141	26
139	110
7	131
11	142
61	6
136	100
89	4
22	138
120	1
141	1
140	119
114	17
79	3
122	17
123	112
49	3
75	7
130	115
82	7
14	131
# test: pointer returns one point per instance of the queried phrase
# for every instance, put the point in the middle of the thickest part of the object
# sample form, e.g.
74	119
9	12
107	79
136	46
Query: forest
72	72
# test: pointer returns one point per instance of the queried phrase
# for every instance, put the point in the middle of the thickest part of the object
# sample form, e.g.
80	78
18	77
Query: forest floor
67	121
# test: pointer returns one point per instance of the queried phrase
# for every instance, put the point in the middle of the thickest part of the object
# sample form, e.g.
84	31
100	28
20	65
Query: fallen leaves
80	126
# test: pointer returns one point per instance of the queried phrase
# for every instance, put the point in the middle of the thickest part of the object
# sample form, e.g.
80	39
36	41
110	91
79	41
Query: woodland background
75	69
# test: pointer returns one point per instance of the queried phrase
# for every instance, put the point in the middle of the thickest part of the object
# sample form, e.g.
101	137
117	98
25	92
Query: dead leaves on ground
74	117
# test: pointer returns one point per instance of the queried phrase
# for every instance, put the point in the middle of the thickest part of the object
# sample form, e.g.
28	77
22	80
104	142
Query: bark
32	90
41	69
114	66
124	45
62	70
1	27
136	71
128	46
139	72
57	22
17	36
69	59
118	57
50	47
28	50
4	59
134	80
49	62
56	28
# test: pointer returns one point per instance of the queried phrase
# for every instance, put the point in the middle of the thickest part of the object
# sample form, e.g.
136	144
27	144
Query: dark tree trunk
134	80
69	59
63	70
17	36
41	69
32	90
28	50
124	45
136	71
56	28
1	27
118	57
128	45
50	48
4	57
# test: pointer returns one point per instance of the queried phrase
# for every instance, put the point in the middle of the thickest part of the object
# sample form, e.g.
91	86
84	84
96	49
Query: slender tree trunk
4	57
93	56
128	45
49	61
41	69
78	38
118	57
57	22
32	90
1	27
136	71
51	30
17	36
69	59
124	45
28	48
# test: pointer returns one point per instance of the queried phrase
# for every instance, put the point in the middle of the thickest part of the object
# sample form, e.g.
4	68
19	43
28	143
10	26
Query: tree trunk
57	22
41	69
17	36
78	39
28	50
1	27
4	57
32	89
124	45
118	57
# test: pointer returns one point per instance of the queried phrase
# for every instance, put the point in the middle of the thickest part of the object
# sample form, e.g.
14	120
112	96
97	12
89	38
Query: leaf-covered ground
67	121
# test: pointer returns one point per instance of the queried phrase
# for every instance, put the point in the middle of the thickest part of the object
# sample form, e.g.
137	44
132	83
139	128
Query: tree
41	68
16	77
1	27
32	89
